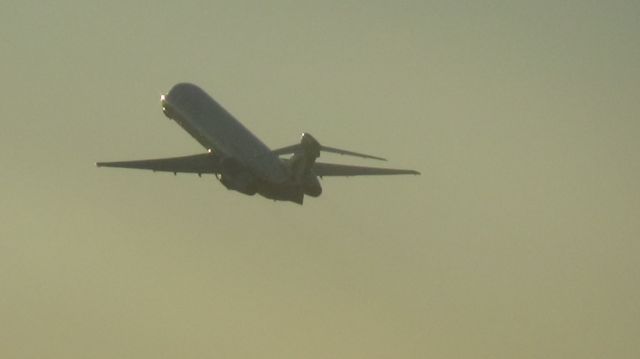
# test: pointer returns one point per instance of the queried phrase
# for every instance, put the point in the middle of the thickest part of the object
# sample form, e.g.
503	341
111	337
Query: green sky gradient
519	240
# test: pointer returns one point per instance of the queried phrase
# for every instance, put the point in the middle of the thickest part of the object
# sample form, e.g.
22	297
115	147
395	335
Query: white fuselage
217	130
240	161
247	165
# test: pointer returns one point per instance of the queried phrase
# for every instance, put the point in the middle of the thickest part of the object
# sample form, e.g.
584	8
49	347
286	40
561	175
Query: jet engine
311	185
302	162
304	157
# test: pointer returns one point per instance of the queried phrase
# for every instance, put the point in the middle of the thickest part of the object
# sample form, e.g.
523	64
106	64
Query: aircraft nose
165	106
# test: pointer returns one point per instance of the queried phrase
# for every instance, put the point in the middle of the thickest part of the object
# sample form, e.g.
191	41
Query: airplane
239	160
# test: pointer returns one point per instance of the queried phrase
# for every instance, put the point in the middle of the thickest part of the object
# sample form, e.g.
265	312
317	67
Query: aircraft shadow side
242	162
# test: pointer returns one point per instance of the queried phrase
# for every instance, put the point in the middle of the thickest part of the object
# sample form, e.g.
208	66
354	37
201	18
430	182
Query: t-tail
301	163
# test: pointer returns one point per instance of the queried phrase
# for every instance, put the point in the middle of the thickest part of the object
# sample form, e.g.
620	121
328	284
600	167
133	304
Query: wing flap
201	163
331	169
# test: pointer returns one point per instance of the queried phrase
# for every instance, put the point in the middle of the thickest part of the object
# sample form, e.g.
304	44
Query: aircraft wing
202	163
330	169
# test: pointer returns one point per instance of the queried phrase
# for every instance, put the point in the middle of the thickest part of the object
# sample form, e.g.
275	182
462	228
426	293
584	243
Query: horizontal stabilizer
349	153
329	169
299	148
201	163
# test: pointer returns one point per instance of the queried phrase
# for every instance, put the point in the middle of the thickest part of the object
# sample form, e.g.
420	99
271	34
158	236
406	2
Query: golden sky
519	240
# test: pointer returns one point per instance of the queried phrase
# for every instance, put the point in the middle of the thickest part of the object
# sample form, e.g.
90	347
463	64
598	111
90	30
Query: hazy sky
519	240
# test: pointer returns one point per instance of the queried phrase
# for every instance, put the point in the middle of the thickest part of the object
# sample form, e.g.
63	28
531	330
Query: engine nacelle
304	158
311	185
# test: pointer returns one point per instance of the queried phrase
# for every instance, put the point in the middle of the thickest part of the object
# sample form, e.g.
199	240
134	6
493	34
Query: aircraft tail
304	155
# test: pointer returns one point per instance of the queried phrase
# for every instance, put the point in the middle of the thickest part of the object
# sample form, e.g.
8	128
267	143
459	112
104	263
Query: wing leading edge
201	163
330	169
209	163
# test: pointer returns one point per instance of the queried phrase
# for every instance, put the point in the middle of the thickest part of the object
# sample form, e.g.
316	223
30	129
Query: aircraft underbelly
216	129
